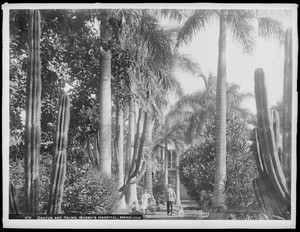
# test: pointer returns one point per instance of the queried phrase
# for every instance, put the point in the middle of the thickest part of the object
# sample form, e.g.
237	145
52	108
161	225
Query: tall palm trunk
166	164
131	193
219	198
120	156
149	165
177	188
105	113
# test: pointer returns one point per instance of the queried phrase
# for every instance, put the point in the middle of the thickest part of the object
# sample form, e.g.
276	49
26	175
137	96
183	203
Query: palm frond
193	24
156	40
177	15
241	24
234	96
196	124
273	13
190	102
271	28
185	62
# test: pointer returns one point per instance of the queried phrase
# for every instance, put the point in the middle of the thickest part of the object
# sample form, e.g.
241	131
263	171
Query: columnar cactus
13	200
59	158
270	188
33	115
287	104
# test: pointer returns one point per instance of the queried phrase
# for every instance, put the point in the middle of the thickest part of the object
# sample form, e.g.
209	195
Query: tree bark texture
131	193
105	113
177	188
219	198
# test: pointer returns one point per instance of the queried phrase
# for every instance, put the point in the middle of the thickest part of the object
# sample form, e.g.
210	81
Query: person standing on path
145	201
170	197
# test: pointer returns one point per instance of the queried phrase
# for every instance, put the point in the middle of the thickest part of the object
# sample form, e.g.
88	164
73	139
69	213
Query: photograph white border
167	224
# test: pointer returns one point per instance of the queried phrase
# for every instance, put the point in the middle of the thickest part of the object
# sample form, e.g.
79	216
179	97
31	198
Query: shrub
87	191
159	188
197	168
16	175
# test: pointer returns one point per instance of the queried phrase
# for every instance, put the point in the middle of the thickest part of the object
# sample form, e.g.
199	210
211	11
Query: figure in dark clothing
170	198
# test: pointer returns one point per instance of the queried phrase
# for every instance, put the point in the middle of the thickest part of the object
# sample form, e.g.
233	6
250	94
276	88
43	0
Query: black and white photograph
160	116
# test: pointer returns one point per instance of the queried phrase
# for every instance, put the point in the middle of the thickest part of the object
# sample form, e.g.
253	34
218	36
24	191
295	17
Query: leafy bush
197	168
85	191
16	172
88	191
17	176
159	188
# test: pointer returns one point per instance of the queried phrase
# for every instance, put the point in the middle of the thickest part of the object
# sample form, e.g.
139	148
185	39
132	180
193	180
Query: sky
268	55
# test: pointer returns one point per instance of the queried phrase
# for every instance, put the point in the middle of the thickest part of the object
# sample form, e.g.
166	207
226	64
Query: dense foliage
159	187
197	168
86	190
143	55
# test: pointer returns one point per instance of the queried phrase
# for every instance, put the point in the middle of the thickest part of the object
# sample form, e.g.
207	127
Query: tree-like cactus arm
287	104
13	200
267	197
63	124
140	174
277	203
56	185
265	132
276	127
136	137
263	114
141	146
59	158
259	194
133	166
276	189
275	157
256	152
127	160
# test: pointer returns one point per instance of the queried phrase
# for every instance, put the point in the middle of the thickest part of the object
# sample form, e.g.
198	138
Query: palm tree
153	69
241	24
149	162
104	96
120	147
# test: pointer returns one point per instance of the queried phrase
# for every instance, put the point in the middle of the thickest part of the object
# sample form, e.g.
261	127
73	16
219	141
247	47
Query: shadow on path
190	208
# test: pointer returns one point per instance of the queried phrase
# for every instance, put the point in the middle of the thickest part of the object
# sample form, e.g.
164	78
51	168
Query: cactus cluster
33	115
13	200
59	158
33	133
287	104
270	187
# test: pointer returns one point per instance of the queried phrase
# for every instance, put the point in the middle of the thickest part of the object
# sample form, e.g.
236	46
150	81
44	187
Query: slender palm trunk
177	188
219	198
105	113
120	158
166	164
131	193
149	165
